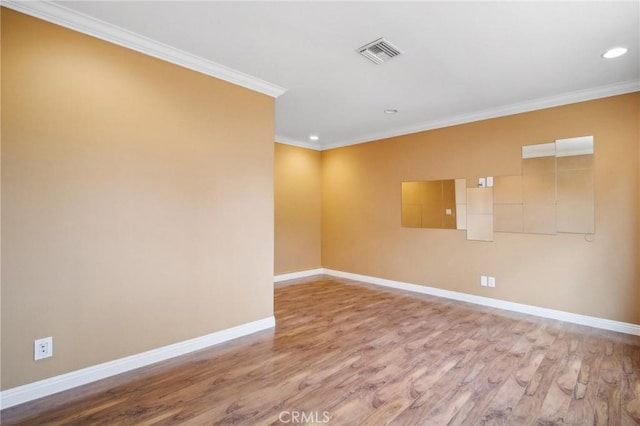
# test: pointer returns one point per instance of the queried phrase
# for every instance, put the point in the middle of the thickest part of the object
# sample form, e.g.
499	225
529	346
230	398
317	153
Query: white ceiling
461	61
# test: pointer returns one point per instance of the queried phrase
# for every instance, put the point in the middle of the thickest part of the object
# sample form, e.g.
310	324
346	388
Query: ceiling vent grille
379	51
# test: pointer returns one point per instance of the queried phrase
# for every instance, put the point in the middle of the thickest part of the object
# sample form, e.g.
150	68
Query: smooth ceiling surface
462	61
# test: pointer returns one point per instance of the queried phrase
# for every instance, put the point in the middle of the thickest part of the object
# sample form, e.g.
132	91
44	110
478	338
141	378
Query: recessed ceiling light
314	137
614	52
390	111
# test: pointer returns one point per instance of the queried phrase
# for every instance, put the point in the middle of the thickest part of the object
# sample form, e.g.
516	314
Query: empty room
346	213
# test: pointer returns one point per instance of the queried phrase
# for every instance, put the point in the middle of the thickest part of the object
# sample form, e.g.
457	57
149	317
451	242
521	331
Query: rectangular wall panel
507	190
508	218
576	200
539	195
480	227
480	214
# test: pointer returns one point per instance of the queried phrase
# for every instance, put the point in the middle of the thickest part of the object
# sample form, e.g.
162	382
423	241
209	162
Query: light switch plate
483	280
482	182
489	181
492	281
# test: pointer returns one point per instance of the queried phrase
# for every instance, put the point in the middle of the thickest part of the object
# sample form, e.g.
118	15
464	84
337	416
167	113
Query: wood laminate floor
348	354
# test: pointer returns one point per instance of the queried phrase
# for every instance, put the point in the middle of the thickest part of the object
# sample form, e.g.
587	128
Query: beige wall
361	230
135	193
0	206
137	201
297	209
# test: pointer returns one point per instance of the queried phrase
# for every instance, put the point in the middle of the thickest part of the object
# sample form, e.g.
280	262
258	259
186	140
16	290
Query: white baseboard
39	389
31	391
606	324
295	275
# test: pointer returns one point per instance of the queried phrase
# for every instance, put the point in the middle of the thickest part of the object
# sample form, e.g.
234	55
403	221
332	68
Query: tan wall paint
0	203
361	230
137	201
297	209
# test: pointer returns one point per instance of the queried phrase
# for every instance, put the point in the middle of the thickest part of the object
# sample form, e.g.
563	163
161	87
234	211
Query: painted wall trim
296	275
60	15
86	24
293	142
596	322
532	105
42	388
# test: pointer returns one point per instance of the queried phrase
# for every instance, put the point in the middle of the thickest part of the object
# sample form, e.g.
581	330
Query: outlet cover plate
42	348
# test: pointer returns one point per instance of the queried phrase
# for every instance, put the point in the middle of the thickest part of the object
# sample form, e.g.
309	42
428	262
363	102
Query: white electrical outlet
42	348
483	280
492	281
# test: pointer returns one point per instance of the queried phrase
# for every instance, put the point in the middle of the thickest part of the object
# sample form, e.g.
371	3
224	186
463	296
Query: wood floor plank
559	396
355	354
489	389
530	405
631	387
608	402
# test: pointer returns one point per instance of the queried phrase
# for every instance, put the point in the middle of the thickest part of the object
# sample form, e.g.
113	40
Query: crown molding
85	24
289	141
536	104
68	18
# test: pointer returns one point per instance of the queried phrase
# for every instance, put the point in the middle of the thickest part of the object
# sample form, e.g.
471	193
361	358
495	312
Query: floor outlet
42	348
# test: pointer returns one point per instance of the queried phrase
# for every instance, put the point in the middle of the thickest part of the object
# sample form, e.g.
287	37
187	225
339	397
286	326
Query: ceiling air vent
379	51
